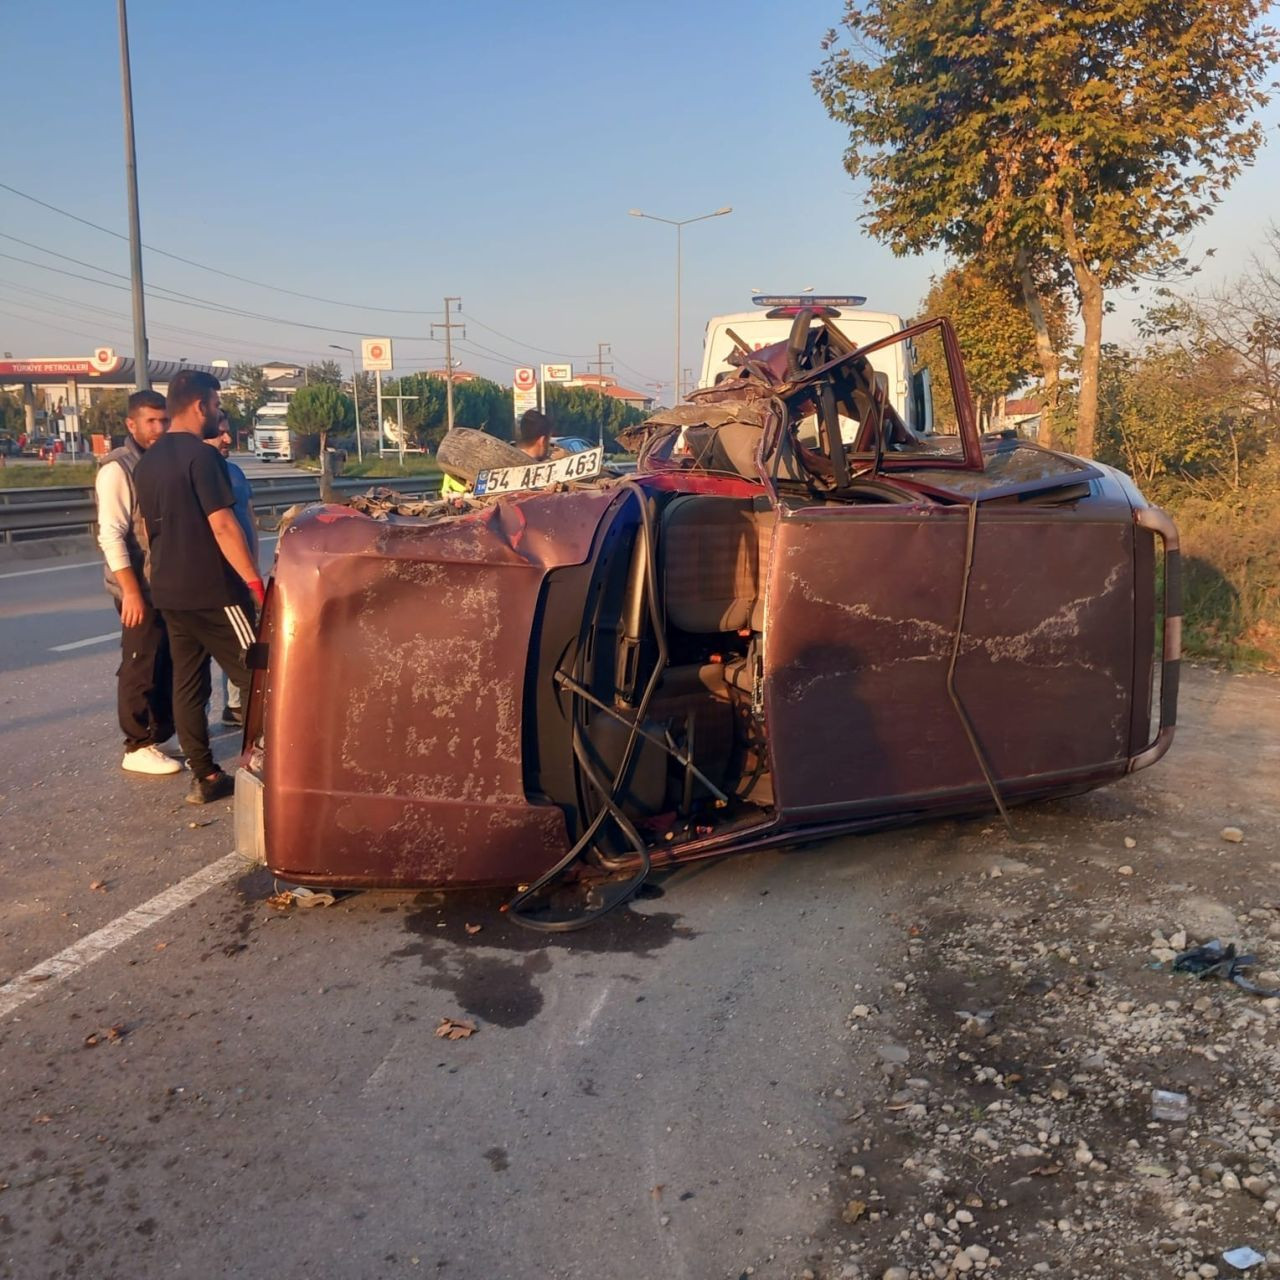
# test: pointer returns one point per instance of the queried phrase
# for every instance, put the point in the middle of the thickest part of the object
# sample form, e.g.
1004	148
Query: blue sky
390	153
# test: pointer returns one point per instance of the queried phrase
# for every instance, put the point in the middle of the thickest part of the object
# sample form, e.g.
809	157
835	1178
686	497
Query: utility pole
601	348
448	326
141	360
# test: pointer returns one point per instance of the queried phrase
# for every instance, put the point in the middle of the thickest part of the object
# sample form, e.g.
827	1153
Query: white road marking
17	991
583	1032
53	568
84	644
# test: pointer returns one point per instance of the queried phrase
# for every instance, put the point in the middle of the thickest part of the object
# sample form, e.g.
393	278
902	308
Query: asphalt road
234	1091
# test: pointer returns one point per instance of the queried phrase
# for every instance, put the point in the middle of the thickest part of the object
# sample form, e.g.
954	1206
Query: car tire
465	452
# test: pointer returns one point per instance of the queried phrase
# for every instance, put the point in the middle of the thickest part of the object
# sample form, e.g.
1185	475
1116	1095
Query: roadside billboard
524	391
376	355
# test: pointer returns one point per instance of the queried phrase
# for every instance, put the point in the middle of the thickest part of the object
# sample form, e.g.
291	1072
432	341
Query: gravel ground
1002	1116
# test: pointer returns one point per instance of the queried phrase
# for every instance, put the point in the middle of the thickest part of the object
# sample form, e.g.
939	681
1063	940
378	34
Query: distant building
609	386
459	375
283	379
1023	416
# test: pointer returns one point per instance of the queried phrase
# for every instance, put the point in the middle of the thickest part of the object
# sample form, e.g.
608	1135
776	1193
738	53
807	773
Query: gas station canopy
103	368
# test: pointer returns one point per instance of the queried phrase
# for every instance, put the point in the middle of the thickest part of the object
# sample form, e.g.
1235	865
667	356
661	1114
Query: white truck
908	387
272	441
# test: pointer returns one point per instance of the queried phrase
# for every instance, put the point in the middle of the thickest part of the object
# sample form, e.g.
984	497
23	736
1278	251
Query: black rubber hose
583	844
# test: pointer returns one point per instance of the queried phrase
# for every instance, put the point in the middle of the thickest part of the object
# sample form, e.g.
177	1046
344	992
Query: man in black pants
203	579
144	681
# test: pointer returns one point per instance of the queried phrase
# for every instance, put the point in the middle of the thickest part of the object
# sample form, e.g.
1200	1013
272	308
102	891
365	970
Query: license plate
539	475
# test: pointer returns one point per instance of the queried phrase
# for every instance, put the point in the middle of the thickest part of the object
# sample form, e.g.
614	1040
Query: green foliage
38	476
415	464
487	406
580	411
1089	136
985	303
424	416
245	396
105	416
318	409
1195	417
324	373
12	421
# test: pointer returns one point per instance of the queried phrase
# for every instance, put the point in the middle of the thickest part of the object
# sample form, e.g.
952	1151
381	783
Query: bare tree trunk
1048	357
1090	288
1090	363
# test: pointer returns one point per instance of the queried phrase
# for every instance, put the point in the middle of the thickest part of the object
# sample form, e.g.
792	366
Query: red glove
258	591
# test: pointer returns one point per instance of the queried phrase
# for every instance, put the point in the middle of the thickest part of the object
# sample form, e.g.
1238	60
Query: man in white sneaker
203	578
144	681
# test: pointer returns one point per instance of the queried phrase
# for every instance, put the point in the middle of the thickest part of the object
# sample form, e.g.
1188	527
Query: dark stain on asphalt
497	1158
501	990
256	885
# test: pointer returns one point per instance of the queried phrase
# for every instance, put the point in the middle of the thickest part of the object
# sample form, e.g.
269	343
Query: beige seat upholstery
712	564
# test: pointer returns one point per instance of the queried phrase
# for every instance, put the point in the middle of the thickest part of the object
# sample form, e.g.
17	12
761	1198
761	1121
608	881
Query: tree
986	305
105	416
317	410
244	395
12	419
1080	138
324	373
586	412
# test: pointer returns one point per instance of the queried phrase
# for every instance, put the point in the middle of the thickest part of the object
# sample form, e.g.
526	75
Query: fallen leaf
39	977
473	928
310	898
281	901
1046	1170
455	1029
854	1210
656	1191
160	946
42	1118
99	885
109	1034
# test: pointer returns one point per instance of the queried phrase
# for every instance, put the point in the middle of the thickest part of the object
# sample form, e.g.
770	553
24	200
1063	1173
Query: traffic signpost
524	391
376	355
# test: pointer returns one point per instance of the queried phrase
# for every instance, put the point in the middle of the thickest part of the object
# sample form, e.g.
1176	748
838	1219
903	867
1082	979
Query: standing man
533	435
144	680
203	579
232	712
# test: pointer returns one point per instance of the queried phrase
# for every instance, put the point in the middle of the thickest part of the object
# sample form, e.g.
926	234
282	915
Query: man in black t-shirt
203	578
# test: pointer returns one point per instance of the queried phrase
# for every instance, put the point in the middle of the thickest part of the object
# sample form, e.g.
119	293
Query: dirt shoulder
1006	1072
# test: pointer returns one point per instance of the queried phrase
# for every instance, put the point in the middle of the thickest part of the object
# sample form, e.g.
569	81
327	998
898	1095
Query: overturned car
798	617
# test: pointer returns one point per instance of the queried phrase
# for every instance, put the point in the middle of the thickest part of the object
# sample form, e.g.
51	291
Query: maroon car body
795	619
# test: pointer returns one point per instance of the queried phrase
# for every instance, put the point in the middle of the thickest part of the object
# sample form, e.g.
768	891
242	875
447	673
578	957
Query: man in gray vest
144	682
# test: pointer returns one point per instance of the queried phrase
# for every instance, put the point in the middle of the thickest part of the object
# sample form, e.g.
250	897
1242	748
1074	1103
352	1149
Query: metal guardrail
29	514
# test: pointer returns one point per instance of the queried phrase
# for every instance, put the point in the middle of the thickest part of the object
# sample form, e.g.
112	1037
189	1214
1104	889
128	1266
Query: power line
559	355
221	339
230	275
217	307
159	292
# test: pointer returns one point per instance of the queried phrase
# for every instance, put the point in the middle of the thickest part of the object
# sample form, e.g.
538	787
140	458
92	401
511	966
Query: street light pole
355	394
141	362
679	224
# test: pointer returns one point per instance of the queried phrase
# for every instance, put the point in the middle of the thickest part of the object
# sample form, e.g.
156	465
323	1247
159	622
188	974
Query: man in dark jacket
144	681
203	579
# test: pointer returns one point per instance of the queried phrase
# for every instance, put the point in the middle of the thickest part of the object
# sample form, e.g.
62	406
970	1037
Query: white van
907	387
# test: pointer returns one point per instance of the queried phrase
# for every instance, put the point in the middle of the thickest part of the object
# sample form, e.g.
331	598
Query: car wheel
465	452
